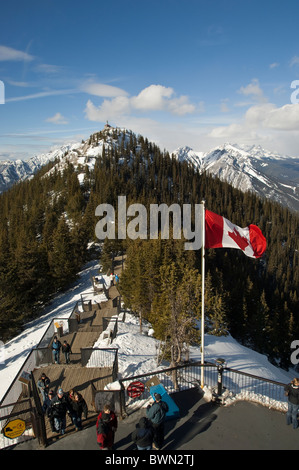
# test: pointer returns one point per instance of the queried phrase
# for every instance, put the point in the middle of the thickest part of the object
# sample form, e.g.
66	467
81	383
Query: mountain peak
250	168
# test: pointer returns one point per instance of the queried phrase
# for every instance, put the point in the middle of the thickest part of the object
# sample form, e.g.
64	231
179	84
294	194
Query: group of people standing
57	406
65	348
149	432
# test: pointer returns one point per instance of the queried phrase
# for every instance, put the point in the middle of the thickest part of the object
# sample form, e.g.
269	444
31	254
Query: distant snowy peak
250	168
13	171
188	154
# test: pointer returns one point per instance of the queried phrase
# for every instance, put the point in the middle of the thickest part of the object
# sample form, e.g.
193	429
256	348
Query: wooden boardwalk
80	379
84	380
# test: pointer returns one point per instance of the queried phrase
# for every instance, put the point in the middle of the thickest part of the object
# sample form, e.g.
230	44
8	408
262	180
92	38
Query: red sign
135	389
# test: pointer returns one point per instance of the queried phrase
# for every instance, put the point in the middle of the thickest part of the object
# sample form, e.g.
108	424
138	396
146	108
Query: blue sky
180	72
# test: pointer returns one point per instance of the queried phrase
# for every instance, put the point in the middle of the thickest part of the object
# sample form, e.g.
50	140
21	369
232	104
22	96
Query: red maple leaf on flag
242	242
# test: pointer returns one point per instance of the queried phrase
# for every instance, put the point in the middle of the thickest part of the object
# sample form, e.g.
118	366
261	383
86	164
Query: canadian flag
221	233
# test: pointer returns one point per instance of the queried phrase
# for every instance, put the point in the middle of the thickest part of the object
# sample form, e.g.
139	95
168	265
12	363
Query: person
66	349
292	392
78	407
143	434
43	385
70	395
59	406
116	279
111	279
48	410
156	414
106	426
47	402
56	346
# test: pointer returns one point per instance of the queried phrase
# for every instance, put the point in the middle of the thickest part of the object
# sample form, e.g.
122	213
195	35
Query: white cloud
154	97
181	106
265	124
100	89
253	90
151	98
10	54
285	118
108	110
57	119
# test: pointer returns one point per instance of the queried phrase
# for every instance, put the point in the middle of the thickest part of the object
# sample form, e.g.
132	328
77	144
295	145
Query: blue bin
173	410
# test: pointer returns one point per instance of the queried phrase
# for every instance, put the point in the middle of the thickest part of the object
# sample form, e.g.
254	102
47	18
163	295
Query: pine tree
61	256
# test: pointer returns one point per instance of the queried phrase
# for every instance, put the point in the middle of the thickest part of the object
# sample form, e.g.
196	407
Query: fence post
123	400
39	415
220	366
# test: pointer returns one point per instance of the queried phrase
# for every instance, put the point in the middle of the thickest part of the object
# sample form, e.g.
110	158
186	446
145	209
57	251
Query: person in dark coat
66	349
292	392
47	403
106	426
78	407
143	435
43	385
156	414
57	411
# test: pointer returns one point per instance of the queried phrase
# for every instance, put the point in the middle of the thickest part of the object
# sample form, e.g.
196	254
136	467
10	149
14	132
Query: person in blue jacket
156	414
56	346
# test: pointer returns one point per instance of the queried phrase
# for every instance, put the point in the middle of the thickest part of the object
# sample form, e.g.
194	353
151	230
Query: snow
137	352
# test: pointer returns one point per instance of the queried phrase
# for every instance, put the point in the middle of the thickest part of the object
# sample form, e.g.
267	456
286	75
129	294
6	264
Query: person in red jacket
106	426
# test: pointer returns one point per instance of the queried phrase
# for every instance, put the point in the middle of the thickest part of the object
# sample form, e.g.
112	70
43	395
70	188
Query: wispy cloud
57	119
294	61
103	90
10	54
42	94
253	90
49	69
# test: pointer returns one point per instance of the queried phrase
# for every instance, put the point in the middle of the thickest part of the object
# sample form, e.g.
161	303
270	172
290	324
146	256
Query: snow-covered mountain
13	171
250	168
79	154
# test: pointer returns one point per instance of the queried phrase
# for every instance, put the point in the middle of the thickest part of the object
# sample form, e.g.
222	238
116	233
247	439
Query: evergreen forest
47	223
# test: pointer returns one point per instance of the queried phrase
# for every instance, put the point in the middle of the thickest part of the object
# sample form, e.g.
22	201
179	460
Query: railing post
39	415
123	400
220	366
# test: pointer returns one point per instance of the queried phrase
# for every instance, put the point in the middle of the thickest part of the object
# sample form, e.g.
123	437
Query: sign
135	389
25	378
14	428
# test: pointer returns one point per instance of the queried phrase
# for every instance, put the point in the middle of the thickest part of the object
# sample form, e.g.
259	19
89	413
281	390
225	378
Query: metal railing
220	382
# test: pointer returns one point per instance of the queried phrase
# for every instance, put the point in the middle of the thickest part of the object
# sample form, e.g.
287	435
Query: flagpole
203	295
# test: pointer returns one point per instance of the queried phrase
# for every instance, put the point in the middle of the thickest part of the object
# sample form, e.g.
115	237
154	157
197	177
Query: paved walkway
202	426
